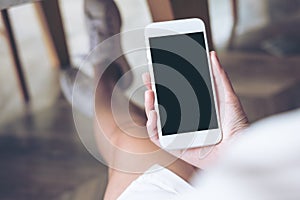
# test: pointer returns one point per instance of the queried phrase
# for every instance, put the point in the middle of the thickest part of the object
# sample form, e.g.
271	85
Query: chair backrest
179	9
4	4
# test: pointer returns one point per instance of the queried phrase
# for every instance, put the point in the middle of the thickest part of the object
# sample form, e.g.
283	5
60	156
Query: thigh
128	157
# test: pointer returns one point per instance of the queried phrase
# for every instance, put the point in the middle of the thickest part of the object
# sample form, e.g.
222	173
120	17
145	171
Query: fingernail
216	56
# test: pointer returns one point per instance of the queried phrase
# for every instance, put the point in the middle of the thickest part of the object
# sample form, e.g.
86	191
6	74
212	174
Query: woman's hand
232	117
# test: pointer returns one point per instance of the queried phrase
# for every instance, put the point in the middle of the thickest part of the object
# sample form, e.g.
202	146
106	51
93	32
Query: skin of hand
232	117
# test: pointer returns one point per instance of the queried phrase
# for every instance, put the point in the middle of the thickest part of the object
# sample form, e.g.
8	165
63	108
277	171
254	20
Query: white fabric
157	183
262	164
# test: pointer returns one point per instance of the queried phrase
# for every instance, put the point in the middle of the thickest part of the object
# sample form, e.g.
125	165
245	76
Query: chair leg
15	55
160	10
52	25
234	5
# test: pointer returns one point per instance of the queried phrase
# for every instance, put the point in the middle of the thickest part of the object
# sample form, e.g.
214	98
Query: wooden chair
279	38
51	22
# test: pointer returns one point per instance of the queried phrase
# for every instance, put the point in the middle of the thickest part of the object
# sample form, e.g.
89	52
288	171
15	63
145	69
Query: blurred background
41	155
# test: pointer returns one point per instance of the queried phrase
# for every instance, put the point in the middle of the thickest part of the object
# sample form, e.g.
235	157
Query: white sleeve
262	164
156	183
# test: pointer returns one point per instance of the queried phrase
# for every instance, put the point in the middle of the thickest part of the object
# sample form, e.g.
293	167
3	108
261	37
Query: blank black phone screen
183	83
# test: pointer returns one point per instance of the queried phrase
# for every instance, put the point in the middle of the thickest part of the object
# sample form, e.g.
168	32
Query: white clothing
262	164
157	183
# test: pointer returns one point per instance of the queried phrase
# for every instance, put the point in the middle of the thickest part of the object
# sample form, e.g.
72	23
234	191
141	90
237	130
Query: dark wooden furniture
178	9
50	17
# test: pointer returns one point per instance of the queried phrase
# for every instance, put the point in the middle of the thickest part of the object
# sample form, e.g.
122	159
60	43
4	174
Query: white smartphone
181	77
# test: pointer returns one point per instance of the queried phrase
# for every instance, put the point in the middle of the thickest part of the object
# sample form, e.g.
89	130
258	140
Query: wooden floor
43	158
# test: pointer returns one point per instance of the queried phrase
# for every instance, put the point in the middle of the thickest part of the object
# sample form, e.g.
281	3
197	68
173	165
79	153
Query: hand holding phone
232	117
185	97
